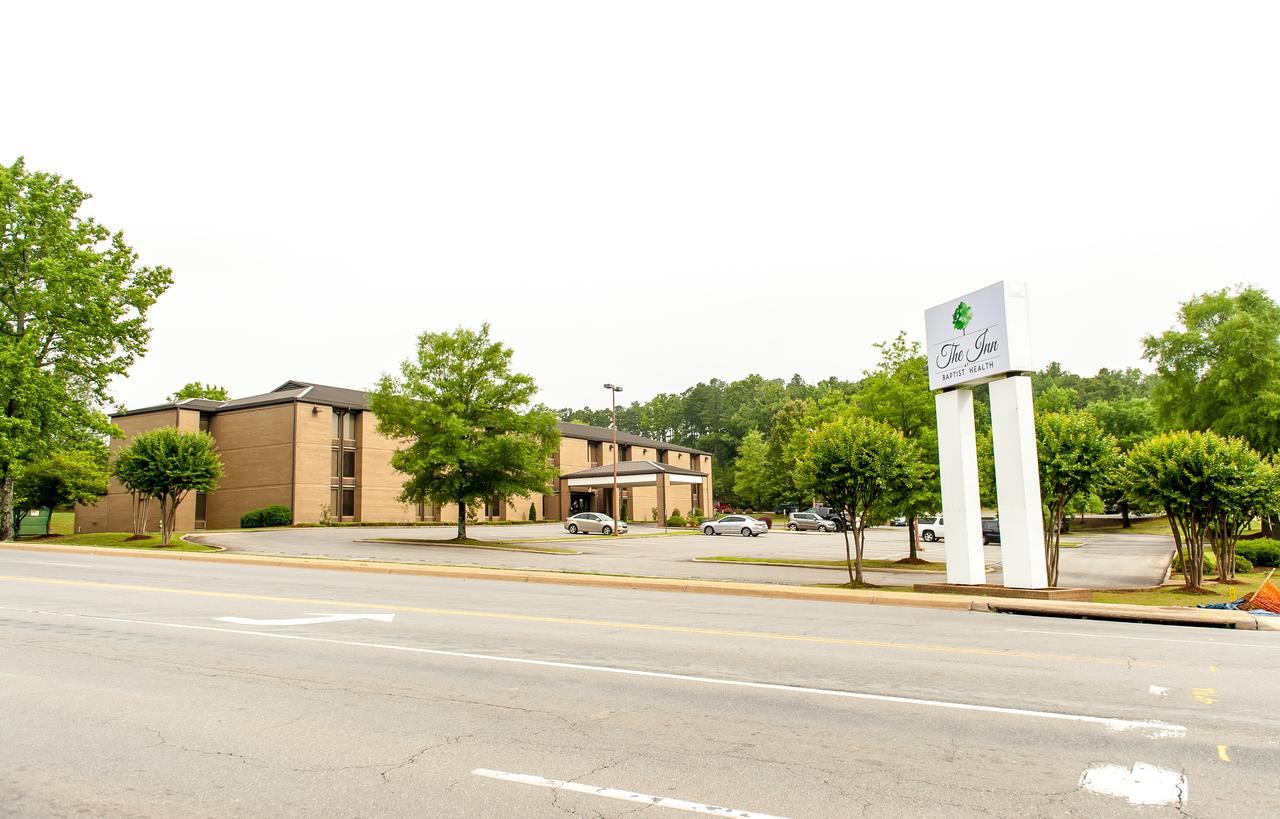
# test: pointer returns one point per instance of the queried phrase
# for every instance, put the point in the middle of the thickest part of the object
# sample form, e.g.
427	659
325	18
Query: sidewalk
1102	611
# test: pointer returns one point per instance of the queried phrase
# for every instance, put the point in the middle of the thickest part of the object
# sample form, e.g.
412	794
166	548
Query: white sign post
982	337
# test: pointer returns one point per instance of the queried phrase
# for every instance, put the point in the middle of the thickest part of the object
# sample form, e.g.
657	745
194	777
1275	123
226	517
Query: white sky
652	193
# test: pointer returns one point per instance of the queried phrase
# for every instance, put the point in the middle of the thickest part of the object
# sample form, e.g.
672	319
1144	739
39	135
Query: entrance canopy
632	473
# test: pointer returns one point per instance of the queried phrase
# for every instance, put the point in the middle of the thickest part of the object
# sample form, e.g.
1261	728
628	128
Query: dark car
827	513
990	531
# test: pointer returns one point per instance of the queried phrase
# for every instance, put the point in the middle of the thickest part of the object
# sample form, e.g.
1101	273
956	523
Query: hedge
1260	551
275	515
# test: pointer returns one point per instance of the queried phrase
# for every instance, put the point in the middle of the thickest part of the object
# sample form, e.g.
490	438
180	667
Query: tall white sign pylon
985	337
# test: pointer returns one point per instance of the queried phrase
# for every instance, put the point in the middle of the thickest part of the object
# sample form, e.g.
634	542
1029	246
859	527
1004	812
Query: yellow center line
575	621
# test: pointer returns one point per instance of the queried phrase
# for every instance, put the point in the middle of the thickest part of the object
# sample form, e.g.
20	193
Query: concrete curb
1107	611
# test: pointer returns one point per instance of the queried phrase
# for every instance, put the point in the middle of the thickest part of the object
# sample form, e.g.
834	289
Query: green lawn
116	540
1158	525
834	564
62	523
1175	596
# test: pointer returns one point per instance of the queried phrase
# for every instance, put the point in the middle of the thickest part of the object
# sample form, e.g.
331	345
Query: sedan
735	525
594	522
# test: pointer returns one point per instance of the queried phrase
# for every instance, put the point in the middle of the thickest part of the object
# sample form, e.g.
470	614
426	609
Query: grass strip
472	543
867	563
120	540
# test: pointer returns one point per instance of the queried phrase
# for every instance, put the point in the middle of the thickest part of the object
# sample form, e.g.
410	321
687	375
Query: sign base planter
990	590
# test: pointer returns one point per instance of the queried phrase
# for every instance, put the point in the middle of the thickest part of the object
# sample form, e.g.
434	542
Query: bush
1243	564
1260	551
533	512
676	519
274	515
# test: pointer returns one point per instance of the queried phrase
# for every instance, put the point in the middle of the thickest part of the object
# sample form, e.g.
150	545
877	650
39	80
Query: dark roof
344	398
633	468
605	434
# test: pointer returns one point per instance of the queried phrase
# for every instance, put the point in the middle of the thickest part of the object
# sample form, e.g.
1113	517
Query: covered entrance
650	491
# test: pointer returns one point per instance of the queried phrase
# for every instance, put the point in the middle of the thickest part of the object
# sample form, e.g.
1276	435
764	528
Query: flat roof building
316	449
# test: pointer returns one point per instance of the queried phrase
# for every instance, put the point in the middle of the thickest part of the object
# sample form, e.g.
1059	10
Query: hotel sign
979	337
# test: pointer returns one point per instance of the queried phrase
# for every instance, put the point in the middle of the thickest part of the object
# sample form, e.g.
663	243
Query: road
1104	561
124	691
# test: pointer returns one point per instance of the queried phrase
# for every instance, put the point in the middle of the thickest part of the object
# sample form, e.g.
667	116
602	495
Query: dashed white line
1152	728
615	793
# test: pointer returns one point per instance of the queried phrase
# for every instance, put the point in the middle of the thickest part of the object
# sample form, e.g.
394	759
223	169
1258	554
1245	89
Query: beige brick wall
114	513
644	499
378	484
256	447
312	462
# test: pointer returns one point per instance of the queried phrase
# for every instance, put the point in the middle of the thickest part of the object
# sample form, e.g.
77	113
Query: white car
931	528
735	525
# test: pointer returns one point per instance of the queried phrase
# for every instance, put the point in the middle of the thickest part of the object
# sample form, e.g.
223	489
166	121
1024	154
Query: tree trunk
857	544
913	537
848	557
1125	523
462	521
6	507
164	520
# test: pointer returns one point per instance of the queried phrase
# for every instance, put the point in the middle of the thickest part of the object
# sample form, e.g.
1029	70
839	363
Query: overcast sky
652	193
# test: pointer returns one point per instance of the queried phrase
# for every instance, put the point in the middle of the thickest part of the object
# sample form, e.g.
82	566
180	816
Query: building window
342	501
594	453
202	503
204	421
492	508
427	511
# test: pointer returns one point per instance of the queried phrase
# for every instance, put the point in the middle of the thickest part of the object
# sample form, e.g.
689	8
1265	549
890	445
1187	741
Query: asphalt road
1114	561
124	691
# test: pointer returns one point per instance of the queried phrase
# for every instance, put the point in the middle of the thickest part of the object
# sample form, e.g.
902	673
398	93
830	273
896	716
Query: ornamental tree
1193	476
863	467
60	479
167	464
73	305
1076	458
1253	491
465	420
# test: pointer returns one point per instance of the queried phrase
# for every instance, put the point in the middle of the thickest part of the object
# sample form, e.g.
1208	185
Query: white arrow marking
1158	691
1144	785
307	621
615	793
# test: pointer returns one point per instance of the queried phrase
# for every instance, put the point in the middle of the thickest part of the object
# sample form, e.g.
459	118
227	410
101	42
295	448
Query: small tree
1076	457
465	419
60	479
167	464
1192	477
751	480
862	467
1253	493
196	389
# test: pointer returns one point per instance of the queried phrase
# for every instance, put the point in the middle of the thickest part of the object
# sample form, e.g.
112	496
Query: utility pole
617	506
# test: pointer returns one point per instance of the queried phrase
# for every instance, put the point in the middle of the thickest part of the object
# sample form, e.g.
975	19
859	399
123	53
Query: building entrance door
580	502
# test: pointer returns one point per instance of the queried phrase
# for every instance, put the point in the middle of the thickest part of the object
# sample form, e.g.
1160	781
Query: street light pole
617	503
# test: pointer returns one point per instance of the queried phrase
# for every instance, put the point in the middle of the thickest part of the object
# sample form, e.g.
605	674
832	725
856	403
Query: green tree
1220	369
167	464
1076	458
897	392
1192	477
195	389
1130	421
73	305
465	418
751	474
1251	491
863	467
59	479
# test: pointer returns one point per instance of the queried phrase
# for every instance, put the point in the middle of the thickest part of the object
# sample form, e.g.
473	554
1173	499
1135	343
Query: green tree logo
962	316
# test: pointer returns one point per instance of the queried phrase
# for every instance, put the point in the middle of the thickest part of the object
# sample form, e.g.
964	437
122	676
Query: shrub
676	519
1210	563
274	515
1260	551
533	512
1243	566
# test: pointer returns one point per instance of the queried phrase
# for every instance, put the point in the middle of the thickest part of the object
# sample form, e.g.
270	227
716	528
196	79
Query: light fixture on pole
614	389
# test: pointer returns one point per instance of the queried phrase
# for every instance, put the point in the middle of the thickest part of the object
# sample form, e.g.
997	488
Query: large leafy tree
752	478
1076	459
196	389
897	392
465	419
167	464
73	305
59	479
863	467
1130	421
1220	368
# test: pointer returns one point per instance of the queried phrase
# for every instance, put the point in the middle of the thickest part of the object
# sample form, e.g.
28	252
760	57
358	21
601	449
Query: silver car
809	520
735	525
594	522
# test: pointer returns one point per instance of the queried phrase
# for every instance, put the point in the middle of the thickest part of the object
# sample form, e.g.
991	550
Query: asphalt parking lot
1115	561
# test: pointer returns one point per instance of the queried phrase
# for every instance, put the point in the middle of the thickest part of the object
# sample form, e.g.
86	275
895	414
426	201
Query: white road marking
1159	691
614	793
1276	646
1143	785
307	621
50	563
1152	728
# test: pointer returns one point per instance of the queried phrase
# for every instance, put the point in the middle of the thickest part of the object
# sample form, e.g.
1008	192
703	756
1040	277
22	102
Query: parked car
835	516
898	521
586	522
735	525
931	528
797	521
990	531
